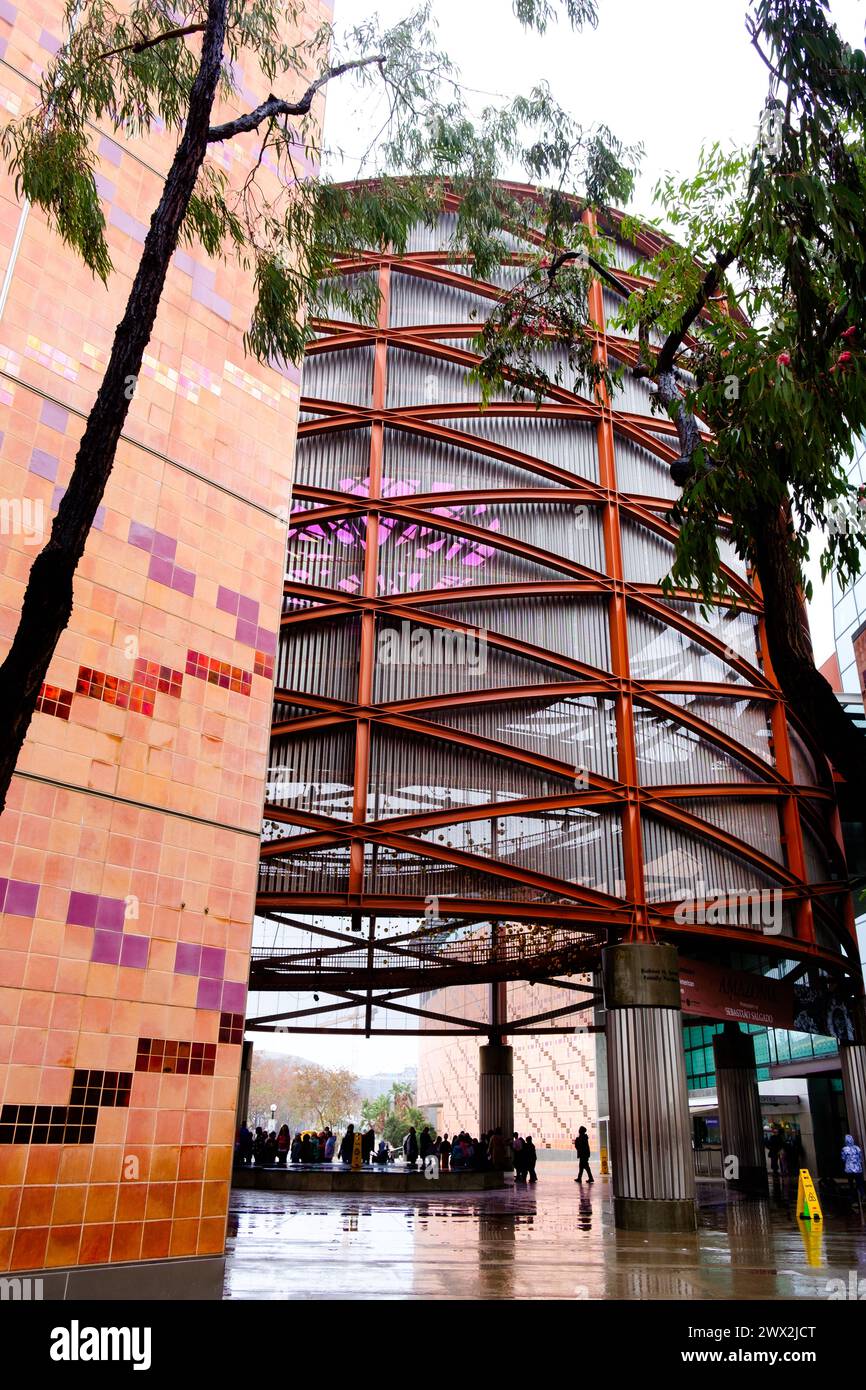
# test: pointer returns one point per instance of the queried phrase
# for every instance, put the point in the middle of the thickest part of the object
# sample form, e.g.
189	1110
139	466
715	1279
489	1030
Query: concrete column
496	1089
651	1153
244	1084
853	1059
740	1111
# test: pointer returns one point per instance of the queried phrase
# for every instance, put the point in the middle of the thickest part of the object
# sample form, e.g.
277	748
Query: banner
716	992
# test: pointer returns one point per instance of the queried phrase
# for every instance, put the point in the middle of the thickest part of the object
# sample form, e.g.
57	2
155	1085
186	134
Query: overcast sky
674	74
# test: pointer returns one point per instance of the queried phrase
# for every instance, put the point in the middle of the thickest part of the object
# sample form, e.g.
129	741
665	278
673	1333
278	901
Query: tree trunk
809	694
47	602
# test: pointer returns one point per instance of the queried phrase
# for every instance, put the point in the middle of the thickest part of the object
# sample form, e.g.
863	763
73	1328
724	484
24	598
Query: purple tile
209	992
105	188
266	641
187	959
44	465
184	261
164	546
248	609
227	600
109	150
183	581
246	633
233	998
140	535
7	11
21	898
213	962
49	42
54	415
82	909
106	947
3	885
133	951
160	570
130	225
110	914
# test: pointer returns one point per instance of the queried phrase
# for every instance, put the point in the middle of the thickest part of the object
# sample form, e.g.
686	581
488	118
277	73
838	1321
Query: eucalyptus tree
154	64
752	337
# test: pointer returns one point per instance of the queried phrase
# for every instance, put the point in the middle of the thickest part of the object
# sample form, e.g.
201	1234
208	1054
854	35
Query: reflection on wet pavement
551	1240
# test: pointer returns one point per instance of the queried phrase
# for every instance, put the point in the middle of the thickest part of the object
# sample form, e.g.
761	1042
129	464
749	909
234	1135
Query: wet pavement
554	1240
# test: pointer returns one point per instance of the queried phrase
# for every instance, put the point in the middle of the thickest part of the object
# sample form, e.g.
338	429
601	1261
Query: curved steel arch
821	931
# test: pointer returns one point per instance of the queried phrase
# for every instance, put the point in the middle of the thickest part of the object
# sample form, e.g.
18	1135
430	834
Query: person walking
581	1144
284	1143
410	1147
531	1157
852	1162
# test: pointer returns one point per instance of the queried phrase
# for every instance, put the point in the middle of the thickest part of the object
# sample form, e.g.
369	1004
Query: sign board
356	1153
808	1206
744	996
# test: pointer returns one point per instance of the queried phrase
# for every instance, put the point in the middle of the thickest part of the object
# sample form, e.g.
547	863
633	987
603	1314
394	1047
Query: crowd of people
491	1151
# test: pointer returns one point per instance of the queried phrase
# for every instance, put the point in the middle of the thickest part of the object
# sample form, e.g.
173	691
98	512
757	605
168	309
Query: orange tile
35	1208
63	1246
160	1200
184	1237
126	1242
156	1240
95	1244
43	1164
68	1206
28	1250
131	1201
212	1236
101	1202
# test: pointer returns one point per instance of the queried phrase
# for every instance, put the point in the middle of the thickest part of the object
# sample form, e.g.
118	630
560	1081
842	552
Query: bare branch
158	38
711	282
274	106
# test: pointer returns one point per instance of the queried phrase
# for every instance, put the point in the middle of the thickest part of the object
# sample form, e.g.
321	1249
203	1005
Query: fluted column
853	1059
743	1159
651	1153
496	1089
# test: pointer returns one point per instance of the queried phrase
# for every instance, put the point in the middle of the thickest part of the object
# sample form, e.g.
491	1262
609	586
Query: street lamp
273	1117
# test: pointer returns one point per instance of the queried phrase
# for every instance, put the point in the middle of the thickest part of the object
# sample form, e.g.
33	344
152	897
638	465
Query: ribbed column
853	1059
496	1089
653	1166
740	1120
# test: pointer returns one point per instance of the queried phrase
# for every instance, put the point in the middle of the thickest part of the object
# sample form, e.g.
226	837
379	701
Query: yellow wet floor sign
808	1206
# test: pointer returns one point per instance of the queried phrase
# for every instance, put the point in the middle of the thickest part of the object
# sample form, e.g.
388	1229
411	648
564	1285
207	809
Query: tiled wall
129	847
555	1082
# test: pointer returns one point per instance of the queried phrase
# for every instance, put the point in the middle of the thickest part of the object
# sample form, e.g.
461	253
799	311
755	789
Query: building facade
131	836
495	737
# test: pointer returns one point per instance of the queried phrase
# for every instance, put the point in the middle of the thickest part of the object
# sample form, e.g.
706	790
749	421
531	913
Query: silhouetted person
245	1145
347	1144
296	1149
581	1144
306	1149
410	1147
519	1148
444	1152
368	1144
531	1158
852	1162
496	1150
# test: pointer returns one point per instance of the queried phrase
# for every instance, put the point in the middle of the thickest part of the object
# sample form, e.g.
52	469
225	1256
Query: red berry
844	357
784	359
850	332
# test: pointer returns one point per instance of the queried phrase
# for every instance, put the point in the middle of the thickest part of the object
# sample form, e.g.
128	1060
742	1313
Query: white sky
674	74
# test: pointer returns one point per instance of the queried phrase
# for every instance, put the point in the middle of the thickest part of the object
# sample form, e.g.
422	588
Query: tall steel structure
496	744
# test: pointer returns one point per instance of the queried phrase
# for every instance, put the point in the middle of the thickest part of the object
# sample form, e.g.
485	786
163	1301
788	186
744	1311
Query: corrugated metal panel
736	629
392	872
411	774
351	284
568	444
577	845
345	375
802	762
314	772
646	557
416	300
414	661
573	532
660	652
321	658
328	554
746	721
437	237
669	754
413	464
504	277
307	871
756	823
576	729
613	308
651	1137
679	866
418	379
572	627
632	395
339	460
416	558
818	865
639	471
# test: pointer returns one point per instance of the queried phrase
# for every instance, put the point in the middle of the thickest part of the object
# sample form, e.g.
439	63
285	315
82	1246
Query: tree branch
711	282
158	38
275	106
